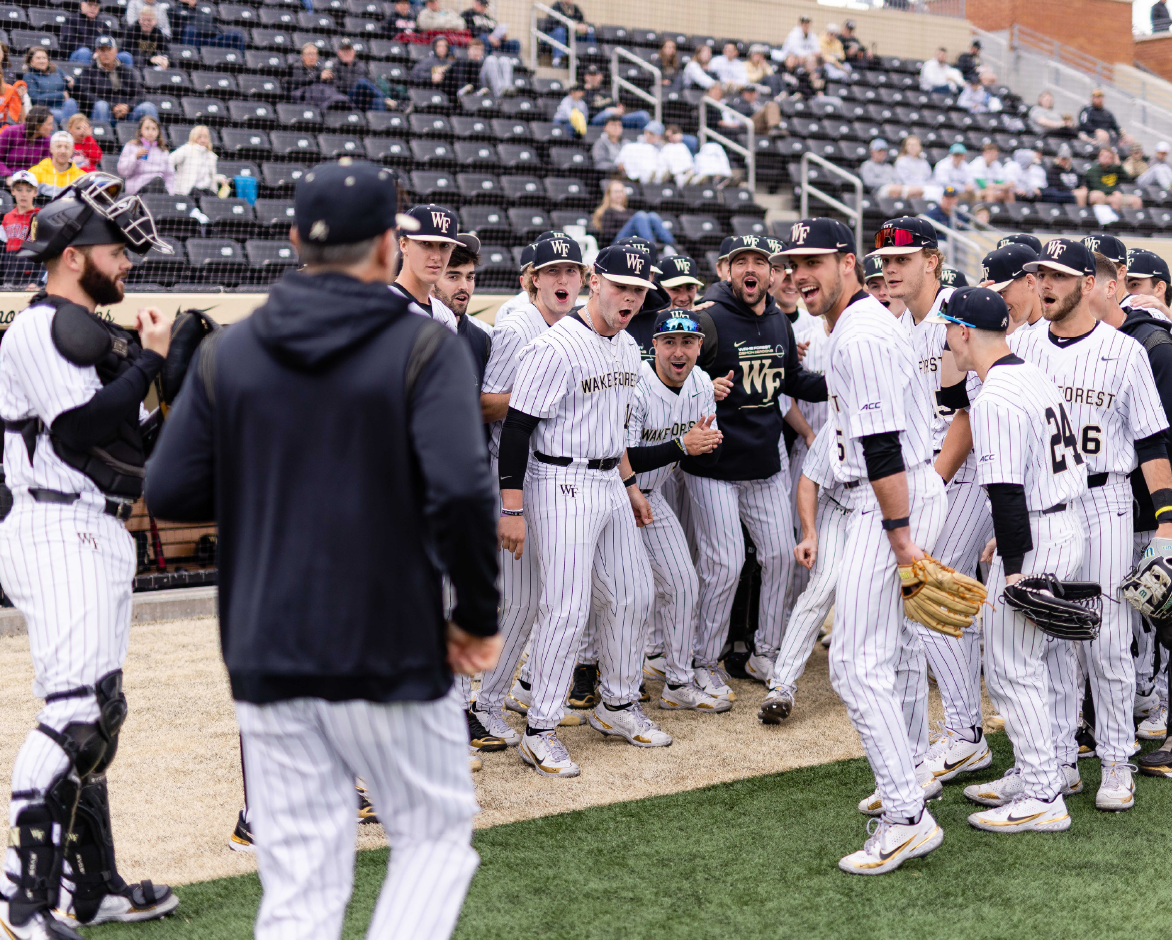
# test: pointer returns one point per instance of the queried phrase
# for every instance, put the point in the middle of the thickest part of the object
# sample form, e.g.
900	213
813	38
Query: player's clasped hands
703	438
154	329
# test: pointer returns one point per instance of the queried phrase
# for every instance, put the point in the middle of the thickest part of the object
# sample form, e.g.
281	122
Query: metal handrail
617	81
748	151
536	37
856	214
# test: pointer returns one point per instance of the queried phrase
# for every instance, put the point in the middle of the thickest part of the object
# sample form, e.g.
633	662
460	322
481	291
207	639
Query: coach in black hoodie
756	344
336	439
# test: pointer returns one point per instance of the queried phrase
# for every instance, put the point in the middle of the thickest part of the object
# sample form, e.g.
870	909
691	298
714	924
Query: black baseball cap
527	256
640	244
744	244
1144	263
469	241
624	265
905	236
1005	265
677	321
950	277
1031	241
348	201
434	224
726	247
562	250
977	307
679	270
818	237
1066	255
872	266
1108	246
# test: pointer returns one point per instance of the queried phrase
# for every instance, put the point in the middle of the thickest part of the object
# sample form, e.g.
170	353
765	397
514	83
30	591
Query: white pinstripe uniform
581	385
814	603
658	414
520	577
1018	419
68	568
876	658
1145	640
1106	380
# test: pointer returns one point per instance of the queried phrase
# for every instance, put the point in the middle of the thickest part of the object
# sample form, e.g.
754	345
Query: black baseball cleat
644	695
776	707
479	737
1084	737
1157	763
241	840
584	689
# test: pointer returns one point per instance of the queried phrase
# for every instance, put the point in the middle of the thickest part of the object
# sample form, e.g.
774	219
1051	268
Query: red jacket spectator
86	152
16	226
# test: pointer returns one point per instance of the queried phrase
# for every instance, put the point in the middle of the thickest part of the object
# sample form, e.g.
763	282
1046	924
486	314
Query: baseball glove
1148	586
939	597
1068	610
190	327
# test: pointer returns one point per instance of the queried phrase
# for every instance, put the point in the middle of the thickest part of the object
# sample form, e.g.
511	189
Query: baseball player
521	298
554	283
680	281
1003	270
748	483
1114	407
1028	462
883	456
951	277
722	265
571	401
1031	241
1147	282
1115	251
71	392
876	286
425	254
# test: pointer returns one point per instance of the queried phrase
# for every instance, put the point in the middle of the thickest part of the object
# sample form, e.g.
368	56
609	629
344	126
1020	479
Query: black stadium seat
486	222
479	188
435	186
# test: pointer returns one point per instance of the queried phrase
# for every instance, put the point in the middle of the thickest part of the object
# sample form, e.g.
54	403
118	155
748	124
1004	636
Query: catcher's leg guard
38	839
90	850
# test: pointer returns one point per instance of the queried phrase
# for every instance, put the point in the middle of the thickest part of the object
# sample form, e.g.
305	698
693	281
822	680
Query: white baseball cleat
929	786
520	697
1024	814
1117	791
40	926
711	682
629	723
1146	703
997	792
891	844
655	666
693	697
474	761
496	725
777	707
1072	782
759	667
1155	726
547	755
952	754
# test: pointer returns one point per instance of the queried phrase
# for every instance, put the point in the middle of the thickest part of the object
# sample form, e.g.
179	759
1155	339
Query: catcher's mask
92	211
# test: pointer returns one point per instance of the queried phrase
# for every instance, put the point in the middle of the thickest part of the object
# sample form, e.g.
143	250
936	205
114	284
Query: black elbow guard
883	455
954	396
1152	448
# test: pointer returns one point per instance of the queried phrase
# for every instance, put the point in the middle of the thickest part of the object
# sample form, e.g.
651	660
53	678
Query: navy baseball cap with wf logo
561	250
905	236
743	244
1066	256
436	224
624	265
818	237
976	307
679	270
1108	246
1006	265
1031	241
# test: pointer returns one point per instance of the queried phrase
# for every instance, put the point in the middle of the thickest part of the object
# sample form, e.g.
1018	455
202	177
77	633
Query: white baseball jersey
1106	382
509	337
1022	435
928	342
660	414
581	384
819	466
813	331
436	309
907	321
517	300
870	363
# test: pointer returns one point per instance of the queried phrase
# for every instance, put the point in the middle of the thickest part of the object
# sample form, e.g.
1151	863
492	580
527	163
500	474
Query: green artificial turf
757	859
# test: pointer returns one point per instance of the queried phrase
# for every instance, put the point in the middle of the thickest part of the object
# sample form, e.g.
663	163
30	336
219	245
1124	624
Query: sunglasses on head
679	325
894	237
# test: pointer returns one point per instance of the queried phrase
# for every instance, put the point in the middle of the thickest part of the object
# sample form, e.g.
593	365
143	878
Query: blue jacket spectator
48	85
80	34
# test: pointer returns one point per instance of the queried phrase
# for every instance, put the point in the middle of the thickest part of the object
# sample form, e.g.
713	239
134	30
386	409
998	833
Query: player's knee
85	723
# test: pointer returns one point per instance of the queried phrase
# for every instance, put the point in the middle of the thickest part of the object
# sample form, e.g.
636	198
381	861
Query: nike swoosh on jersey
1108	358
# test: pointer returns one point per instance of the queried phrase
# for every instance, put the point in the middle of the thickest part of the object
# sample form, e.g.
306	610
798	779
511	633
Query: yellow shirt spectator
50	179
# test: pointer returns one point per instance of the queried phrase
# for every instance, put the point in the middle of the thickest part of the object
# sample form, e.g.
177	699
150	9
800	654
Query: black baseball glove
1068	610
190	327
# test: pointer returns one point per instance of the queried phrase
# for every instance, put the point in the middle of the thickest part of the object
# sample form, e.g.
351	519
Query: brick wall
1155	53
1101	28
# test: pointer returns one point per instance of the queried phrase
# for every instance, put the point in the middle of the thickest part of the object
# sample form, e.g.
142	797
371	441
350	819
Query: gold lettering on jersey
659	435
930	365
1087	396
608	380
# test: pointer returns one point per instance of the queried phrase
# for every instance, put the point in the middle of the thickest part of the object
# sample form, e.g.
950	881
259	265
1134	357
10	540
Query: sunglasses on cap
894	238
679	325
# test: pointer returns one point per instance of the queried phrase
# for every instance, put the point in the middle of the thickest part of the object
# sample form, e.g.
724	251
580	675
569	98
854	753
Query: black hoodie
1144	328
339	500
762	353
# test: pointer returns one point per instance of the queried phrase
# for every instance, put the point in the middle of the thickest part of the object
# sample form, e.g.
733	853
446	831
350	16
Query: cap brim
1000	285
941	318
892	250
406	223
1031	267
471	242
749	251
628	280
550	264
433	238
680	281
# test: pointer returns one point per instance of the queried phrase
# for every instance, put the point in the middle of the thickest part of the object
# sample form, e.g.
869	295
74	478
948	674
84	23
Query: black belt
604	463
854	483
118	510
1097	479
1057	507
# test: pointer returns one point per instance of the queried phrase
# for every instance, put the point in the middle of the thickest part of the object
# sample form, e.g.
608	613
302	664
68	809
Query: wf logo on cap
441	220
1055	248
560	248
985	273
798	233
1091	243
634	262
751	241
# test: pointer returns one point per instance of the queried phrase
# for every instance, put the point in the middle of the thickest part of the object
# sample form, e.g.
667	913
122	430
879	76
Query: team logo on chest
88	540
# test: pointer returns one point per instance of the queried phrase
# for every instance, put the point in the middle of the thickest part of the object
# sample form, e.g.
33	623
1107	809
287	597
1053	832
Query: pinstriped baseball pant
301	757
676	497
1145	639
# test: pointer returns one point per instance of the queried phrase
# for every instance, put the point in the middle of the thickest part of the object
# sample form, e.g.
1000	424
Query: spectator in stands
976	99
434	19
1044	117
195	165
760	70
832	52
1063	183
1160	172
969	63
762	111
199	28
12	101
948	212
7	70
614	220
811	78
352	79
112	87
936	75
144	163
1095	117
994	182
605	151
877	174
48	85
698	73
81	32
1161	20
856	52
483	25
675	157
15	228
639	159
913	171
1030	177
711	164
667	60
572	110
787	74
730	68
602	106
583	30
954	171
401	19
86	152
440	69
23	145
1103	179
801	42
493	71
57	170
1135	165
145	41
723	123
134	7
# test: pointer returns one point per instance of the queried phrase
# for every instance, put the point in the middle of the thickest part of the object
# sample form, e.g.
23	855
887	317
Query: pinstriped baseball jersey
928	342
814	333
907	321
1022	435
435	309
1106	382
818	466
510	335
581	384
658	414
870	365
